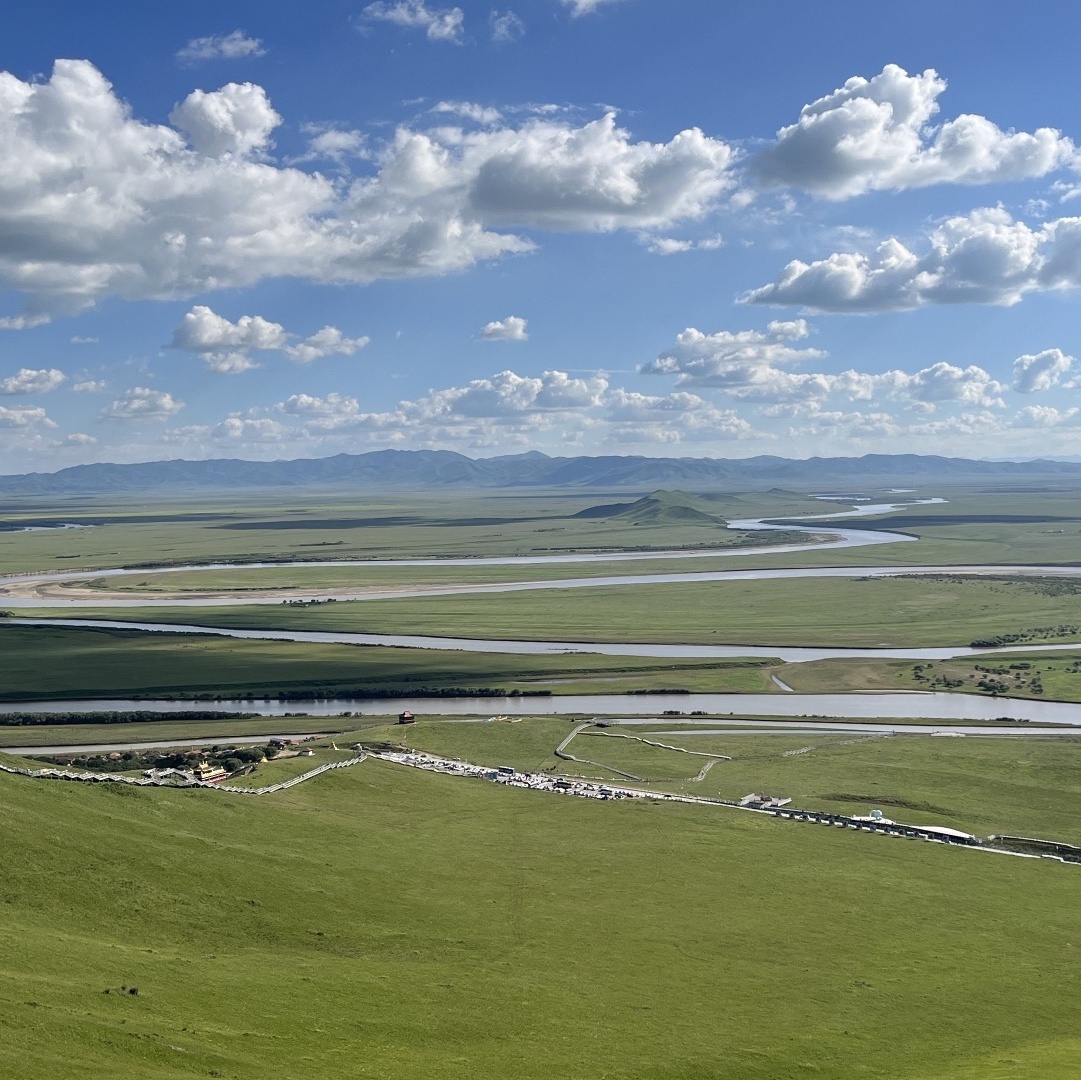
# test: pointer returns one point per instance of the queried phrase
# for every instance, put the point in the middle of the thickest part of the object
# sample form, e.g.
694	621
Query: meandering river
881	705
26	590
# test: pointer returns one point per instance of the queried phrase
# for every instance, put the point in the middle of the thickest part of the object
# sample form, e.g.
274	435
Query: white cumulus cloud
333	405
97	203
229	46
142	403
751	366
32	381
329	341
23	322
438	24
24	416
1046	416
673	417
586	7
877	134
225	345
506	409
509	394
468	110
984	257
241	431
505	26
1040	371
944	382
745	363
504	412
553	176
203	330
236	120
228	363
512	328
670	245
332	144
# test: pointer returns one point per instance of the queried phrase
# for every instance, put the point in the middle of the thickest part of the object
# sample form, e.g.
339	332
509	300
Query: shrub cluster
1035	633
134	716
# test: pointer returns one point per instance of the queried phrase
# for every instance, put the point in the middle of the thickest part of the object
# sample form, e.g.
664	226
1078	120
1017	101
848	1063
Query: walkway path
561	752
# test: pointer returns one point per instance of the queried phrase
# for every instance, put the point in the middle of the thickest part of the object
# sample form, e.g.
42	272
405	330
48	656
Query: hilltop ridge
382	470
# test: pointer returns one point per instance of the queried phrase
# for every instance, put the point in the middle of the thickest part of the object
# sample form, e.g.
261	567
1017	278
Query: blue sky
578	226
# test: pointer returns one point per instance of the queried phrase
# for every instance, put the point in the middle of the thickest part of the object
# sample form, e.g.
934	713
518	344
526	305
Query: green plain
49	663
809	611
976	525
245	526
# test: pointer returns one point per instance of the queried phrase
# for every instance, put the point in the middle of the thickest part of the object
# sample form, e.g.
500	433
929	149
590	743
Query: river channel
959	708
787	654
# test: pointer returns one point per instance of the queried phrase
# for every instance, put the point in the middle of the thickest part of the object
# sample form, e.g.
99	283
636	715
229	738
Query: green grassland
527	745
251	527
281	769
375	575
976	525
49	663
973	525
381	922
808	611
1058	674
49	735
980	526
1034	532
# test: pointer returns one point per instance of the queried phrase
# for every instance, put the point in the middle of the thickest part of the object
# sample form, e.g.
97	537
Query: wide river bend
859	705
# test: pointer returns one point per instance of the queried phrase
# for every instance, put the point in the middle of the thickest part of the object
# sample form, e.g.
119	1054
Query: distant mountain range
399	470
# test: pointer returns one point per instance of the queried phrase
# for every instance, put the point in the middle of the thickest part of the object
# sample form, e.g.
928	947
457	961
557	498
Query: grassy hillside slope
383	923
